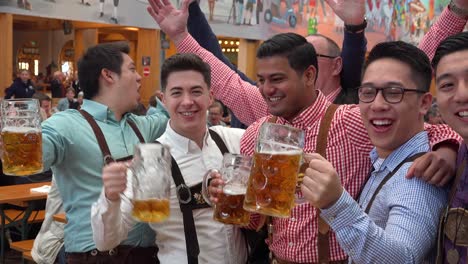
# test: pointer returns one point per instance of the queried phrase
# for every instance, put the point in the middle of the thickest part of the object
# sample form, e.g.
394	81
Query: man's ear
310	75
337	66
107	76
426	103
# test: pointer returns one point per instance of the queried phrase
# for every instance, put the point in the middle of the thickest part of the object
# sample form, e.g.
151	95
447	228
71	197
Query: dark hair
415	58
300	53
450	45
217	104
184	62
333	48
103	56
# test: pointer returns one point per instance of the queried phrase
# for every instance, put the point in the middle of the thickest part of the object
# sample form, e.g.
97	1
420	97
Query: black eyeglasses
326	56
391	94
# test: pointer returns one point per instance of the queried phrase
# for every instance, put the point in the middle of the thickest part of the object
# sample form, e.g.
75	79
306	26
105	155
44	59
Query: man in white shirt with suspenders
185	81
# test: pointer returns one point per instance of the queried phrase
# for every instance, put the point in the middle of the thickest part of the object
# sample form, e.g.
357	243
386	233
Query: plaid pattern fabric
447	24
348	147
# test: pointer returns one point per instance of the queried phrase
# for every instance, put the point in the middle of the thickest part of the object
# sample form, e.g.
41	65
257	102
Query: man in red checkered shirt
287	69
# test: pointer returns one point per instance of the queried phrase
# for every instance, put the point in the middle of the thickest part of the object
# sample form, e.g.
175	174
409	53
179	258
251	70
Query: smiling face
127	85
285	91
24	76
452	91
187	99
391	125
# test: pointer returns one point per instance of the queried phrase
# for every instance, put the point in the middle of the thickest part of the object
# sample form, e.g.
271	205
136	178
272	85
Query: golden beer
229	209
151	210
272	183
22	151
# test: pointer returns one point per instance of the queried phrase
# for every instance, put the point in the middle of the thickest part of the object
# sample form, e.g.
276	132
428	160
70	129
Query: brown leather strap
453	190
102	140
323	234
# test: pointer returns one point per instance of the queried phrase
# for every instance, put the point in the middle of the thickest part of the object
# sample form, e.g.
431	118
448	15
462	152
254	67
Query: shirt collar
186	145
418	143
99	111
310	115
332	96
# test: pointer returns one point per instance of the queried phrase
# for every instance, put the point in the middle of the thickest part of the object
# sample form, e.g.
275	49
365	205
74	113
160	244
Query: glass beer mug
21	137
271	189
235	173
150	179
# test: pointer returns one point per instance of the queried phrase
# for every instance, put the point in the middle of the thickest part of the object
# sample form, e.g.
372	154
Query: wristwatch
461	12
356	28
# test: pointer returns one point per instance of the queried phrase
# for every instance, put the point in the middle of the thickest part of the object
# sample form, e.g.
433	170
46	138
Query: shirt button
331	218
291	244
293	219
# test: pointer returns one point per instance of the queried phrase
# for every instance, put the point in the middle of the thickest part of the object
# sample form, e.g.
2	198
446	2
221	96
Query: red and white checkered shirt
348	147
447	24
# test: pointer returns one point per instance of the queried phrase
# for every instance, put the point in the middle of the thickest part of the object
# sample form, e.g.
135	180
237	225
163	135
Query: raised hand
114	179
352	12
171	20
321	185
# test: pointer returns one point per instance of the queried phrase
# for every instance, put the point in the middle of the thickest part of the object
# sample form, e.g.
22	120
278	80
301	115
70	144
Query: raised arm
201	31
352	12
449	23
241	97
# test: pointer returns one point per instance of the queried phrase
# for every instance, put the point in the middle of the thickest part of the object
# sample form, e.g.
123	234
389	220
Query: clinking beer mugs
21	136
235	173
150	177
271	189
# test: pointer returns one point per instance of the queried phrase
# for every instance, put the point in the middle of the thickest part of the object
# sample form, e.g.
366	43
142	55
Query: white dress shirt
218	243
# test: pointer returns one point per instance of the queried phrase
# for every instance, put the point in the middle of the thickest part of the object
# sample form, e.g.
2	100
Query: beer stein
271	189
151	182
21	137
235	173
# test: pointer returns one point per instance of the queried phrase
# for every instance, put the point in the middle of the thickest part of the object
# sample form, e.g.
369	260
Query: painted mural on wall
255	19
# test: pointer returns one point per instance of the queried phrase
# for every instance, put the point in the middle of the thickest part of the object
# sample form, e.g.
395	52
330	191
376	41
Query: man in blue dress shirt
395	219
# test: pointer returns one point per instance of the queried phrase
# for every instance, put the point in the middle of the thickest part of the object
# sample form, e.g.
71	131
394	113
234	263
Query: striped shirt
348	147
401	226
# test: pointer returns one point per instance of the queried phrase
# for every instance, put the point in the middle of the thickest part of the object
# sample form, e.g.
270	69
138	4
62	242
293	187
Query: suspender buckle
184	194
108	159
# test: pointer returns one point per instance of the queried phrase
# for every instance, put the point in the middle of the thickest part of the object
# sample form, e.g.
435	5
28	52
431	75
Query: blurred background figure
56	85
215	114
433	115
155	105
22	86
69	102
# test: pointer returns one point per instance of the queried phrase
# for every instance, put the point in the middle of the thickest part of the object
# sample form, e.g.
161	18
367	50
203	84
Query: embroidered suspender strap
388	176
219	141
102	140
323	234
453	190
184	195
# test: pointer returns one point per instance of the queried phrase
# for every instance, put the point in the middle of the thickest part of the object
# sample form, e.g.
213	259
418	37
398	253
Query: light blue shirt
401	226
159	109
70	149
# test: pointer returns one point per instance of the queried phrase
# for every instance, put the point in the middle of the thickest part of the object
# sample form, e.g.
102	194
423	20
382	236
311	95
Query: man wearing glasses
395	219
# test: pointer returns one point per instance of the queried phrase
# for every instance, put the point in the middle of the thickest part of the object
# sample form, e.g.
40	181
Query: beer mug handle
206	184
298	194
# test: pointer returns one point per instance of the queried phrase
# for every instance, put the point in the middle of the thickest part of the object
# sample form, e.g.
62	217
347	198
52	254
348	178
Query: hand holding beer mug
235	174
151	182
21	137
277	159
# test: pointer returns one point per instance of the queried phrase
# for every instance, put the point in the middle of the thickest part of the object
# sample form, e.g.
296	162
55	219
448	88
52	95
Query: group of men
364	205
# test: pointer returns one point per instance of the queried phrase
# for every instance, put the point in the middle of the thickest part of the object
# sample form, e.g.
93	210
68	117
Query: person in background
69	102
433	115
56	85
155	105
80	98
215	114
22	86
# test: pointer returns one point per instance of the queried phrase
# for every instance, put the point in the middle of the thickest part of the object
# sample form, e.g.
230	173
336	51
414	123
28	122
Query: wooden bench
27	256
61	218
23	245
14	214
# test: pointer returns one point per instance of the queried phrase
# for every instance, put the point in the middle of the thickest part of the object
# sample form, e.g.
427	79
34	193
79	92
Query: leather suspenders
188	202
102	140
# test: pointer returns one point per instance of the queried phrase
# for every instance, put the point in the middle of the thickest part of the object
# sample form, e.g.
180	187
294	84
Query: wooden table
20	195
61	218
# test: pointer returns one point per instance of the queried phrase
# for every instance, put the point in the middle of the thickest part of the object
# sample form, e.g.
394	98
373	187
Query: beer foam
234	189
283	152
24	130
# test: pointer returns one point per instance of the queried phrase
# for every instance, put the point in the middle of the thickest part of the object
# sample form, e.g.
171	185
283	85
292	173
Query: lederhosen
190	199
453	226
122	254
